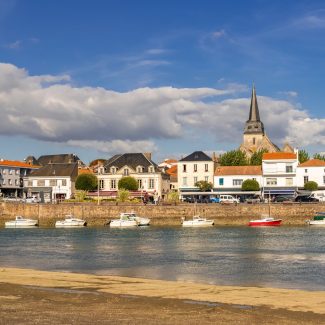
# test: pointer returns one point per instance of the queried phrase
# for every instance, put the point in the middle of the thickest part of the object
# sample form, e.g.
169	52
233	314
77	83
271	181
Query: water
284	257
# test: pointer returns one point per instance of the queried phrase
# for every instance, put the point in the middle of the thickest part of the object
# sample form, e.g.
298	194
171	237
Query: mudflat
41	297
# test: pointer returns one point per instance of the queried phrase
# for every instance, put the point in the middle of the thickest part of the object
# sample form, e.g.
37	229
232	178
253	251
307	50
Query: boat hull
20	224
263	223
122	223
316	222
191	223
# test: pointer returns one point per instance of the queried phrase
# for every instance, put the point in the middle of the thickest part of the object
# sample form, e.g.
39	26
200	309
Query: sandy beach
42	297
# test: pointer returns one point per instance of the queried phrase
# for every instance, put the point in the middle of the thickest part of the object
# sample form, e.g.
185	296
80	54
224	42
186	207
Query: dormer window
113	170
151	169
126	172
139	169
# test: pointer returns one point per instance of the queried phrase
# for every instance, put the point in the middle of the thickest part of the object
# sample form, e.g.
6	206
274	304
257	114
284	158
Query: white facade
234	182
309	171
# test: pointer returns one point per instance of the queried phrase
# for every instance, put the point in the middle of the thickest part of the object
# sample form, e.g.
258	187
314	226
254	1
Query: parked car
32	199
305	198
214	200
228	199
253	199
283	198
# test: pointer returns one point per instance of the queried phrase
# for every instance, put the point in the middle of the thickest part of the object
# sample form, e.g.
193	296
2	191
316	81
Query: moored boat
123	221
21	222
318	219
265	222
197	221
140	220
70	221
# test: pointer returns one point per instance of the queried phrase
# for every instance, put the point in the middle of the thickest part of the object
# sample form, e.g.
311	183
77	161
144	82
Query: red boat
266	222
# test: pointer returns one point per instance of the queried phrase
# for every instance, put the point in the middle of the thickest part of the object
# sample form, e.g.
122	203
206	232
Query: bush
311	186
123	195
250	185
86	182
128	183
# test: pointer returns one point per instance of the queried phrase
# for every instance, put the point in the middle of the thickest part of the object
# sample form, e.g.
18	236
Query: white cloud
217	34
290	93
14	45
49	108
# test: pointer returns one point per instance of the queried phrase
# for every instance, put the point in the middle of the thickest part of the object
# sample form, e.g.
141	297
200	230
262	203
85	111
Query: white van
225	198
319	195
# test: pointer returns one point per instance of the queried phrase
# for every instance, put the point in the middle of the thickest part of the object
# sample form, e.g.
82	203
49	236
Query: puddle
63	290
204	303
243	307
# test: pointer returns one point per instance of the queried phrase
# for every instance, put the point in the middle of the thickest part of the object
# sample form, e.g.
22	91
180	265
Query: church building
255	138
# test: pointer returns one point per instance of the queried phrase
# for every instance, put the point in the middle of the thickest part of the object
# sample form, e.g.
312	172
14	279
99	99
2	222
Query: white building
193	168
279	173
138	165
229	179
311	170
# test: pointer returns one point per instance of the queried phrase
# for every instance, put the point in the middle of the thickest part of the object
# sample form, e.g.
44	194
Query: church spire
254	124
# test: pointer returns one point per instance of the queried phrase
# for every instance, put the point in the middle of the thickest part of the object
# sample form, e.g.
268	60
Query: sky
101	77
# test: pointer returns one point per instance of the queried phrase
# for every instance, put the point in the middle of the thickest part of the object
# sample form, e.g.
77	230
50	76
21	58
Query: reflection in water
290	257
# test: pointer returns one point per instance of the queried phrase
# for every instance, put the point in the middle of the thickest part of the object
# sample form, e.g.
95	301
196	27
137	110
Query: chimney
148	155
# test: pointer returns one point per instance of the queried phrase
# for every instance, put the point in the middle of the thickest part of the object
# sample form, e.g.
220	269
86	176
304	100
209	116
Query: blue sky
100	77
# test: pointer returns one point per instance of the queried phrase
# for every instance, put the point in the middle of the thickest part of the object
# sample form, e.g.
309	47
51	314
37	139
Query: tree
256	159
311	186
319	156
173	197
123	195
128	183
303	156
250	185
86	182
204	186
233	158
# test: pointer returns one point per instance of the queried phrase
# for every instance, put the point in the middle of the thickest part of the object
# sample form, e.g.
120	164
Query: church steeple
253	124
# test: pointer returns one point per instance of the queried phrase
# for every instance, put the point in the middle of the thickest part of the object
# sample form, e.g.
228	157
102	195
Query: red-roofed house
311	170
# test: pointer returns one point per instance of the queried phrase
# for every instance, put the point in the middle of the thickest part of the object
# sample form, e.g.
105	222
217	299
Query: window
184	181
195	180
195	168
139	169
113	170
101	184
16	182
4	171
151	169
11	171
289	181
206	178
271	181
206	167
17	171
305	179
289	169
64	182
126	172
4	182
184	168
151	183
53	182
113	184
29	183
9	181
306	170
139	183
323	179
221	181
254	141
41	182
237	182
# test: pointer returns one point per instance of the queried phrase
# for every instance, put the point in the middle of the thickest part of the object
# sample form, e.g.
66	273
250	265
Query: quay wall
163	215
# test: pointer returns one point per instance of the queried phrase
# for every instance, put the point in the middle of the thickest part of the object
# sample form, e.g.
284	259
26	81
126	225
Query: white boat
197	221
70	221
140	220
124	221
21	222
318	220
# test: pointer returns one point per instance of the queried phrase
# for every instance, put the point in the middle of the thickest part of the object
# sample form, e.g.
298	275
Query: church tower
254	135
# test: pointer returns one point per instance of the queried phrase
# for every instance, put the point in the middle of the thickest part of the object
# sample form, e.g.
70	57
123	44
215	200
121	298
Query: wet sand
40	297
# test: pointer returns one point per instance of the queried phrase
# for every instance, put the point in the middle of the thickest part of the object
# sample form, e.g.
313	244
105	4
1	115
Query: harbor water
283	257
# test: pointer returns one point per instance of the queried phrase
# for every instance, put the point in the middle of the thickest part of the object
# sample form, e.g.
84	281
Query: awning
280	192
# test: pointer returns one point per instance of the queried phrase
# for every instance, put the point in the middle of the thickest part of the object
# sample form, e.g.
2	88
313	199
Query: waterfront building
172	172
12	173
66	158
229	179
53	182
279	173
255	137
150	178
311	170
195	167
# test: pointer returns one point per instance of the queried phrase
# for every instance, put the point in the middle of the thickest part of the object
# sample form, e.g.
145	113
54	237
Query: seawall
164	215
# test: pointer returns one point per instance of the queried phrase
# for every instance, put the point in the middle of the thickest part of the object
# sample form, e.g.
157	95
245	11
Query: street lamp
98	184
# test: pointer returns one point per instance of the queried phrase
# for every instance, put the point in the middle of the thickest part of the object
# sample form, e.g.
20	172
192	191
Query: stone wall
98	215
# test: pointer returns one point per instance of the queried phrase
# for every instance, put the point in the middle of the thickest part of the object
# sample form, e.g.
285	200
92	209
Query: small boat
124	221
266	222
21	222
318	219
70	221
140	220
197	221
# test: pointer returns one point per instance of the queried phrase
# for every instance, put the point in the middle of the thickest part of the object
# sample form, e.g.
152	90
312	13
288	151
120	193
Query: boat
21	222
265	222
318	219
197	221
124	221
140	220
70	221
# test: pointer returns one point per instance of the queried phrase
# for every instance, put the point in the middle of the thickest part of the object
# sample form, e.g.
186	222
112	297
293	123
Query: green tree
319	156
311	186
250	185
233	158
128	183
204	186
256	159
86	182
173	197
303	156
123	195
